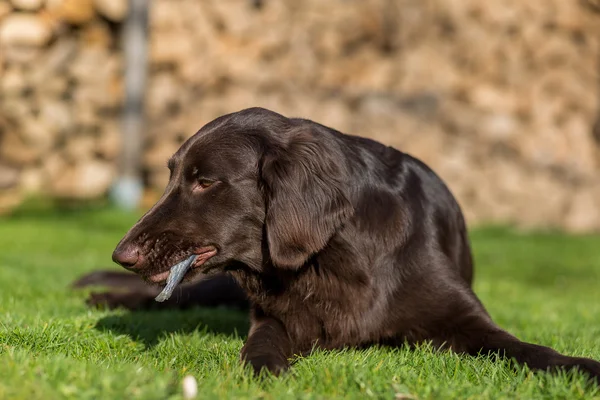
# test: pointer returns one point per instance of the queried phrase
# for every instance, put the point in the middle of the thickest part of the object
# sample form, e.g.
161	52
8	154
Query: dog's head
252	188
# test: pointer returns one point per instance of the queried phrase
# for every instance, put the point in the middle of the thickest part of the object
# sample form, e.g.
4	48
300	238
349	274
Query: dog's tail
483	336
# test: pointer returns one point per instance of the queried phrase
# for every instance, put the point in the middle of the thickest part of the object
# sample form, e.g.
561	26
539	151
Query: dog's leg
207	292
114	279
475	334
128	290
130	300
268	346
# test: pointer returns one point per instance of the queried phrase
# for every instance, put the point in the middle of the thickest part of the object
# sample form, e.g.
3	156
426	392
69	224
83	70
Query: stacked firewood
60	93
499	97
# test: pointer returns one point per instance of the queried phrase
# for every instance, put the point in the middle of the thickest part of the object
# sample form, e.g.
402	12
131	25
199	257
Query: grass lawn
542	287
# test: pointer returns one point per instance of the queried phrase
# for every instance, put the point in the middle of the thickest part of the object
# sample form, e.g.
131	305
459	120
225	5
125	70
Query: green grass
541	287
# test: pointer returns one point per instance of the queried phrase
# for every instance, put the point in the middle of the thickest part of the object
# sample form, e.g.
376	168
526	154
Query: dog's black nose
126	256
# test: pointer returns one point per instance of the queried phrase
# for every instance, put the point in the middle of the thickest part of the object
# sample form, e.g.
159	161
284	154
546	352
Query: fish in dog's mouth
202	255
174	275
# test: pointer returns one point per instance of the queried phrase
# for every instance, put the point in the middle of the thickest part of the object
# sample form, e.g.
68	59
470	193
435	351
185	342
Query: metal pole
127	189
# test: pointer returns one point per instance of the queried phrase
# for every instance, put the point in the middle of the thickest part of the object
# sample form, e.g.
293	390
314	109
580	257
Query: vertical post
595	7
127	189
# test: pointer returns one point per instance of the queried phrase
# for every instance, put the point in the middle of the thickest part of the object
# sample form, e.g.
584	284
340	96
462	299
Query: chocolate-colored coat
336	241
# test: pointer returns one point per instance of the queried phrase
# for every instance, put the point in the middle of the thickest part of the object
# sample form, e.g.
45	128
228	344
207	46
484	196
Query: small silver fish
175	276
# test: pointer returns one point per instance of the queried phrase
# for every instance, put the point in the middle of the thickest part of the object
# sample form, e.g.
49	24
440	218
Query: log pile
60	93
499	97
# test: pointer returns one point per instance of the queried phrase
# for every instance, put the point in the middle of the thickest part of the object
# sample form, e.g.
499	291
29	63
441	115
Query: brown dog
335	240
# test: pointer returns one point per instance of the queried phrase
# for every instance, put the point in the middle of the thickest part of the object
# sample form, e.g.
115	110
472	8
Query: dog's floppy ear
306	185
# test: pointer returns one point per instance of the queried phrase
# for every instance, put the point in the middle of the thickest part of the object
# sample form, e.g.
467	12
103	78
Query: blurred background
500	97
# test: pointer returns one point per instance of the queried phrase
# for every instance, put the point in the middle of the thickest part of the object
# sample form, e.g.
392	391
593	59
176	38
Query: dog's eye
204	183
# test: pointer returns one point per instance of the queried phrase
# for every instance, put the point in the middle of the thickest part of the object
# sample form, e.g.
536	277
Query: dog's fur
336	241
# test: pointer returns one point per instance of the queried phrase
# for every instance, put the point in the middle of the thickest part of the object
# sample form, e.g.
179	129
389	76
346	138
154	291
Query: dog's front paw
272	364
275	364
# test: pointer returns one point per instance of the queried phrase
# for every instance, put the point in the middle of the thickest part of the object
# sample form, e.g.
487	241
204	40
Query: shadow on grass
150	327
212	304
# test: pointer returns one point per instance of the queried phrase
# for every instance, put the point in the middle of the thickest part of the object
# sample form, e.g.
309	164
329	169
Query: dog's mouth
201	255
